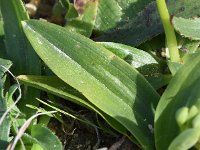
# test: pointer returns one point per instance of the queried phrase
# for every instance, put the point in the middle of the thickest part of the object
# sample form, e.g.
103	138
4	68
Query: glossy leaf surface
104	79
183	90
146	64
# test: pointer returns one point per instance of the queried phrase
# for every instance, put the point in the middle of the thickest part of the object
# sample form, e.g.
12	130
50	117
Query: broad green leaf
142	61
189	28
84	23
108	15
108	82
115	13
146	23
196	122
134	56
183	91
189	57
174	67
19	50
56	86
45	138
36	147
182	115
185	140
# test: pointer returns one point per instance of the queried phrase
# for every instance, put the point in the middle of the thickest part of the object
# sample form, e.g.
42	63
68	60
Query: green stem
169	31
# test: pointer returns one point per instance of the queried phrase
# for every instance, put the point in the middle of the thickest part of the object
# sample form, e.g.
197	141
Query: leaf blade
90	76
181	26
186	80
150	25
45	138
55	86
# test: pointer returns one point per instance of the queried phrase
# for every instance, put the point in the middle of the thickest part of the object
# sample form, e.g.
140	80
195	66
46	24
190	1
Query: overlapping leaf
104	79
149	67
18	49
45	138
183	90
5	126
146	23
115	13
181	25
56	86
84	22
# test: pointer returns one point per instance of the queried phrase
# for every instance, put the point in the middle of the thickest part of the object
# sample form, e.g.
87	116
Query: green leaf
108	15
196	122
56	86
182	115
146	24
174	66
104	79
189	46
60	7
2	45
149	67
85	21
19	50
185	140
45	138
5	126
115	13
134	56
183	91
189	28
6	65
36	147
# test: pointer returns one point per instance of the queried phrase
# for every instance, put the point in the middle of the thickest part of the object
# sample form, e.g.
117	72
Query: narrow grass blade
18	49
